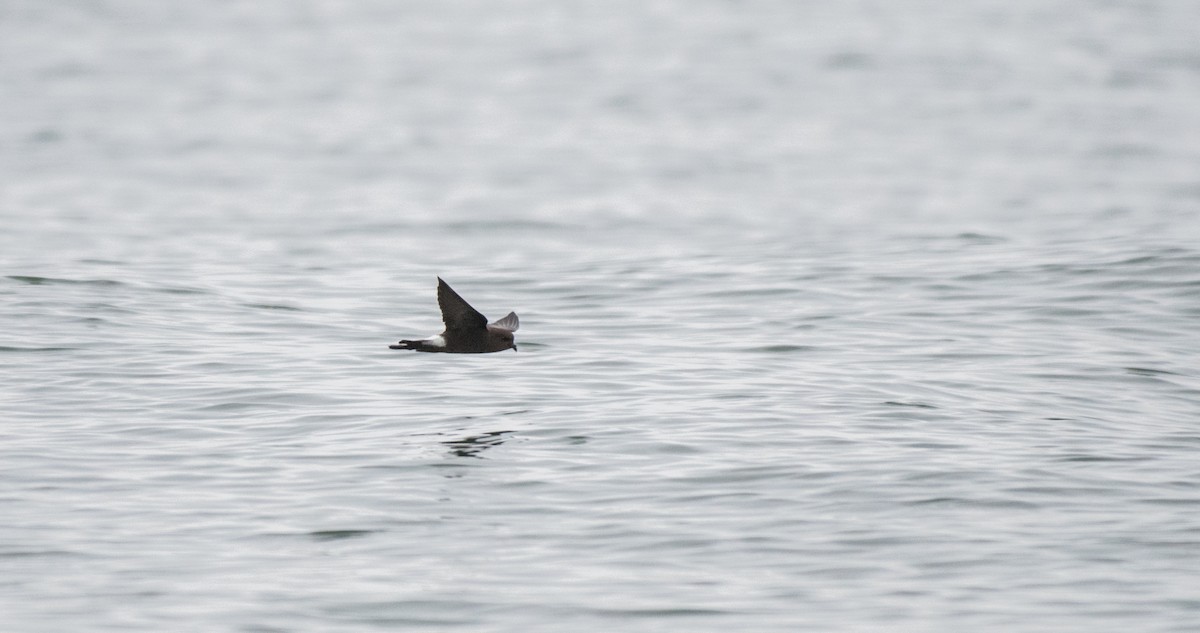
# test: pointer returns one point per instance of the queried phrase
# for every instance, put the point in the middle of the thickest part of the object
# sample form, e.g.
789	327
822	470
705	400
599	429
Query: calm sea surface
853	316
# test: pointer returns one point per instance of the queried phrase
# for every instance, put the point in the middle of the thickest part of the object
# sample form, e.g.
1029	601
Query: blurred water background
836	316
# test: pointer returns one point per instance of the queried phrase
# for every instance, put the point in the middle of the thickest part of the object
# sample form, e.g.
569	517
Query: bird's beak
514	347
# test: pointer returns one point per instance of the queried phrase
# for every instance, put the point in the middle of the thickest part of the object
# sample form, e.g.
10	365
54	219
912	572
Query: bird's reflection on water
473	445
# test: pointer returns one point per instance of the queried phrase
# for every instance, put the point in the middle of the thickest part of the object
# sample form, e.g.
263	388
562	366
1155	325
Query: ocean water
844	316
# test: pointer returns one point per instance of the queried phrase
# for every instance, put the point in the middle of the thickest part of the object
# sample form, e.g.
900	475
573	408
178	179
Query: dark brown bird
467	331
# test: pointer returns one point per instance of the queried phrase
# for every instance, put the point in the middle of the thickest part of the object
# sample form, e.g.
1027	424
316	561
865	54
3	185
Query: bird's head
501	339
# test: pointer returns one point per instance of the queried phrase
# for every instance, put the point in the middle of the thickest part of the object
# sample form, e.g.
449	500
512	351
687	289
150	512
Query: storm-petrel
467	331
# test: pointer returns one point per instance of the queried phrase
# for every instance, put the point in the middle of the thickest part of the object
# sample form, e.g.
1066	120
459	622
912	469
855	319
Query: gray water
853	316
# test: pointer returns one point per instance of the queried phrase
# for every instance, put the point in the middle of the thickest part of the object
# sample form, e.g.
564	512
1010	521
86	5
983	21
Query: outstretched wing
457	314
509	322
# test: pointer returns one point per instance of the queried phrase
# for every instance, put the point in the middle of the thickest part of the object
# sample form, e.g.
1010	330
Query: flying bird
467	331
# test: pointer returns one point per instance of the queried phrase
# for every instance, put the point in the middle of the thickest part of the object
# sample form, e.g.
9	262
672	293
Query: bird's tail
406	345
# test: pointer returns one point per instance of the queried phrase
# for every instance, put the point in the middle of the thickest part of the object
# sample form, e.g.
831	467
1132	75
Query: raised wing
509	322
457	314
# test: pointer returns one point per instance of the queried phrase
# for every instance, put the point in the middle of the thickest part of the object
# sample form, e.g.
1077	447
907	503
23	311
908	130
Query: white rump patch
435	341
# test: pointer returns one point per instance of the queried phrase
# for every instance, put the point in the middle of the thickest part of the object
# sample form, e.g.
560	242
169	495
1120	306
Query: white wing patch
509	322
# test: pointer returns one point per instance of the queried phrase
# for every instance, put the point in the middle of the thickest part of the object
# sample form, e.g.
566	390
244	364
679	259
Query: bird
467	331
